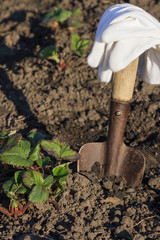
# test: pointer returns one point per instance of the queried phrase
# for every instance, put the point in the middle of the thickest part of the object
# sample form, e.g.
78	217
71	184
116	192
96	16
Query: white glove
124	33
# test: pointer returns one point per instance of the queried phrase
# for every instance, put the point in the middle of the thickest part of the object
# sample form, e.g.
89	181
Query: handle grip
123	82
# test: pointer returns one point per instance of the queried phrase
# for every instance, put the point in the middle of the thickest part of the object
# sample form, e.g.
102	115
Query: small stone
157	229
25	217
127	221
37	226
11	39
116	220
49	112
113	200
91	235
130	190
93	115
80	120
152	108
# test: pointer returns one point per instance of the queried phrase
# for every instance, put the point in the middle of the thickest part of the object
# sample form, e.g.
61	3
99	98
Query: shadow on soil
10	56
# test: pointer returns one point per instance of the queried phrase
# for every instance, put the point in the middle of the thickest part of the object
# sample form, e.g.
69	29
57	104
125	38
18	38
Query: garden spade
113	157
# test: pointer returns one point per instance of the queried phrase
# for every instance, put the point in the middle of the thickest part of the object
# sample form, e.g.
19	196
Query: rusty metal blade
130	162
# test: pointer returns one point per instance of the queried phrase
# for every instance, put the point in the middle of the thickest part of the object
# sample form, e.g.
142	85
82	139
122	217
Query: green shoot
79	45
50	53
58	15
74	21
61	15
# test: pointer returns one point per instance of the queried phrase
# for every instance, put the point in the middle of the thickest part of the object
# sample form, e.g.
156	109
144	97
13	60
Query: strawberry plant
58	15
50	52
61	15
79	45
36	176
74	21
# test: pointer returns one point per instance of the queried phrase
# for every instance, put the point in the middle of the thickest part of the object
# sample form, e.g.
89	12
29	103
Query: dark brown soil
36	95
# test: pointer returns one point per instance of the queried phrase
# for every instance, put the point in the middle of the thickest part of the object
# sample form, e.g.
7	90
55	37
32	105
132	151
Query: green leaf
48	181
43	162
68	154
34	156
50	52
74	41
3	141
31	178
80	53
18	181
48	17
74	21
63	15
58	14
38	194
18	177
52	147
14	140
22	190
13	132
11	142
14	203
3	134
83	44
16	156
36	137
59	147
77	12
78	45
25	146
60	173
9	186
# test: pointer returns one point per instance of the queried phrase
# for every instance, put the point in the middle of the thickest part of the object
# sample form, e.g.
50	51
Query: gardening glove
124	33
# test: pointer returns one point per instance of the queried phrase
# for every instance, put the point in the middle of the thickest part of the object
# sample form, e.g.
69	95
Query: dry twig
144	219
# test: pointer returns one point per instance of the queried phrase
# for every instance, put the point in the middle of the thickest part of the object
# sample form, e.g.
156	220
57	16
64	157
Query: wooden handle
123	82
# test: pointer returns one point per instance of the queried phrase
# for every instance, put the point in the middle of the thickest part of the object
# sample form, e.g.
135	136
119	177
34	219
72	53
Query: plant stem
25	208
5	211
16	189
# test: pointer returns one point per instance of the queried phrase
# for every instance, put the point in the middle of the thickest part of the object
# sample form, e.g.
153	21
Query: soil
37	96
